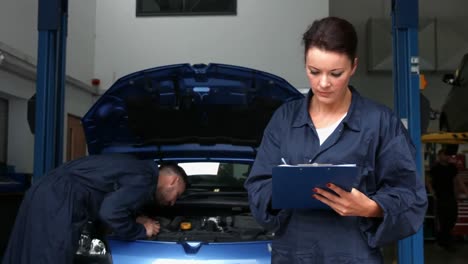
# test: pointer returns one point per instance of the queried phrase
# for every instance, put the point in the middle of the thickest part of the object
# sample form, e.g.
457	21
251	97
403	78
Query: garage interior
68	53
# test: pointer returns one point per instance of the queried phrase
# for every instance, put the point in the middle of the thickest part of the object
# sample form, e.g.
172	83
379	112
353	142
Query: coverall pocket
309	258
290	256
280	256
344	259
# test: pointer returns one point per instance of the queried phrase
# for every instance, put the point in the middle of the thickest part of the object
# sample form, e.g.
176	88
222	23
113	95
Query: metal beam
50	89
406	100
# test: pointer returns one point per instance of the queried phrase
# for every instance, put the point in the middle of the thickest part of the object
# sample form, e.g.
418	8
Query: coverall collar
352	119
155	168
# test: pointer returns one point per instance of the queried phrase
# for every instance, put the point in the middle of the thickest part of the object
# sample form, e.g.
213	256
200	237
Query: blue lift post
406	100
50	86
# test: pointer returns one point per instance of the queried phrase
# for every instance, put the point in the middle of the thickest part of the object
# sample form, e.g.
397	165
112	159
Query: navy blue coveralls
443	177
370	136
108	187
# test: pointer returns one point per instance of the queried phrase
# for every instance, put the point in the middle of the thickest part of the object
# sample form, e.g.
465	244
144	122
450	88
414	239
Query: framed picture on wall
185	7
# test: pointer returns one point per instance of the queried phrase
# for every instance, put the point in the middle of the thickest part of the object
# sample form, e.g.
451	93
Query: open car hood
185	104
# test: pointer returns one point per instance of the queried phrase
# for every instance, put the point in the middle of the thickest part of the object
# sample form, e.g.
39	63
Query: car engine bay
233	228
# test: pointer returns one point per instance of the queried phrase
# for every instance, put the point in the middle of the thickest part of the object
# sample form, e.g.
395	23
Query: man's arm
117	212
152	226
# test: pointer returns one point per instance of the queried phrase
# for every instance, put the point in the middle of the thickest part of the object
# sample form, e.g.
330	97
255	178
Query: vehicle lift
406	100
50	86
52	27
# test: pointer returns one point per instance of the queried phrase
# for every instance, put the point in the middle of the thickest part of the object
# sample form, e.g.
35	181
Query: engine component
212	224
185	225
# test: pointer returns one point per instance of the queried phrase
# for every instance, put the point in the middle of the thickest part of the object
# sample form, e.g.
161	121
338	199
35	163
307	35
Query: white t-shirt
325	132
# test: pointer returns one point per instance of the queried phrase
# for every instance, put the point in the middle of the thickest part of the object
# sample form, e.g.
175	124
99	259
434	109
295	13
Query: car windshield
222	175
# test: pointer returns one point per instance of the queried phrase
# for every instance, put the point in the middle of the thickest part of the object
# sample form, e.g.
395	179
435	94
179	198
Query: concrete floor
9	206
433	254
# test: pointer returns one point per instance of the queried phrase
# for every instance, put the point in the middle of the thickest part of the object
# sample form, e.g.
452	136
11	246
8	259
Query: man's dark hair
331	34
173	168
443	151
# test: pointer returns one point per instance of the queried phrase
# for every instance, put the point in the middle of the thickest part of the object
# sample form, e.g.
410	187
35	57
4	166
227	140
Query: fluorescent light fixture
2	57
18	65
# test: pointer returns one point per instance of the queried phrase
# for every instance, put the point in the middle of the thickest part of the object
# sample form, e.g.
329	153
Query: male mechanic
110	187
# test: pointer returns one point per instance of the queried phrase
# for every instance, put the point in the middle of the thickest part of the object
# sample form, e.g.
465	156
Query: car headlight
90	246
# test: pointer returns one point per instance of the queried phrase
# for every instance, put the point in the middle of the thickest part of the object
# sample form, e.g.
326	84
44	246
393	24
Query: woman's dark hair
331	34
173	168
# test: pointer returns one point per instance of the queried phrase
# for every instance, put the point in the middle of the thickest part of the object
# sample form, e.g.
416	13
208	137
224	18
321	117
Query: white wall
20	146
379	85
81	37
18	30
20	152
77	101
265	35
18	19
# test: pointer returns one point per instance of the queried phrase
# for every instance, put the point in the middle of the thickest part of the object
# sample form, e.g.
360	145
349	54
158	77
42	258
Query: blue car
210	120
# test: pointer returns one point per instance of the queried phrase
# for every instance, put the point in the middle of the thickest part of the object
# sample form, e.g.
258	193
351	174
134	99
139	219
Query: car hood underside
178	104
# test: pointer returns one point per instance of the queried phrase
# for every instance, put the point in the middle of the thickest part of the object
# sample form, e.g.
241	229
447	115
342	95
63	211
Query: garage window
185	7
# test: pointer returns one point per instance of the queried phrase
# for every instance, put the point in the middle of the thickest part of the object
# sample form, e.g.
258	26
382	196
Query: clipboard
292	185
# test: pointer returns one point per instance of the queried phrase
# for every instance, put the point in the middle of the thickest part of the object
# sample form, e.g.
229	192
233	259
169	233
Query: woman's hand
354	203
152	227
